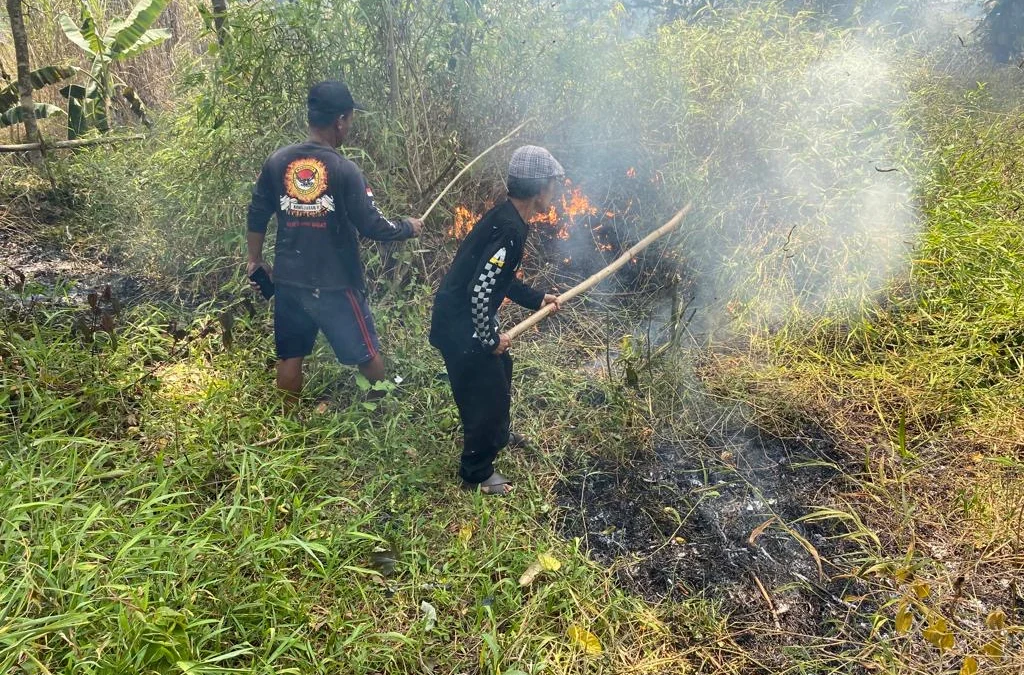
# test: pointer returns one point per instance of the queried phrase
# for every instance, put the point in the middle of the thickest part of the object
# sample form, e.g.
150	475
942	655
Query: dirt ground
44	261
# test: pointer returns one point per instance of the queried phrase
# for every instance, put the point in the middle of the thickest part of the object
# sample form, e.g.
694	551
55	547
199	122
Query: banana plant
10	107
123	39
14	115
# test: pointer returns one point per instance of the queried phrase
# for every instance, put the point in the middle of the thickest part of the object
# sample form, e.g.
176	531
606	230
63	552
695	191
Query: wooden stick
504	139
78	143
594	280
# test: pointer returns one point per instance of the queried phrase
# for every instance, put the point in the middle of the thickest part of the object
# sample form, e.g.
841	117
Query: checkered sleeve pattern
480	300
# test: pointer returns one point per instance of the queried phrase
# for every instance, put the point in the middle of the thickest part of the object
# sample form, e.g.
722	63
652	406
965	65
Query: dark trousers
482	386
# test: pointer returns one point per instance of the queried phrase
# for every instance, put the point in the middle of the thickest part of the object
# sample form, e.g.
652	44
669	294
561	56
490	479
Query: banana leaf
128	32
78	121
137	105
89	29
151	38
84	35
40	78
14	115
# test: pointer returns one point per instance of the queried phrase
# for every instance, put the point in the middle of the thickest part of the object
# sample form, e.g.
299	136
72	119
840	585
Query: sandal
518	441
495	486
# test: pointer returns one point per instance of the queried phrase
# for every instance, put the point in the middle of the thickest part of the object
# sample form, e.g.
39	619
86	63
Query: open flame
574	206
568	211
463	223
549	218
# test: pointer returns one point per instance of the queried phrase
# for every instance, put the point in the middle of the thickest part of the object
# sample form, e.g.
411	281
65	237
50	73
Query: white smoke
796	138
815	207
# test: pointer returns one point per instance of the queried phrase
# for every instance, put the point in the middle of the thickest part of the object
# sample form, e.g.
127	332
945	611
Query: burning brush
573	216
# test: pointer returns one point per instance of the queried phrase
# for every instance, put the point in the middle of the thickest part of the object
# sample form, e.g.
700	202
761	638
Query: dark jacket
322	204
482	275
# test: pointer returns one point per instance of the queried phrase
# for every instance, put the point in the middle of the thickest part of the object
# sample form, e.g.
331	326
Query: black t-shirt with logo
322	204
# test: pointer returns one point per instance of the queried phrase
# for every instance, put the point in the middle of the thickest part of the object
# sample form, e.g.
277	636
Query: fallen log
594	280
62	145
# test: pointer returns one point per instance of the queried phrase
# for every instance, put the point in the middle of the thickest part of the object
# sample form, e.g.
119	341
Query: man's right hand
417	226
252	267
504	342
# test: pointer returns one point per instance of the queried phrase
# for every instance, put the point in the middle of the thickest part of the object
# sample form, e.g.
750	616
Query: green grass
160	514
923	392
184	525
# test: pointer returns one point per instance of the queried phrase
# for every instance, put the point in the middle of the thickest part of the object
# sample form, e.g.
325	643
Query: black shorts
344	317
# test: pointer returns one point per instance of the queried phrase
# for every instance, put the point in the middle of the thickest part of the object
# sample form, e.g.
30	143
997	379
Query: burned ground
716	519
41	259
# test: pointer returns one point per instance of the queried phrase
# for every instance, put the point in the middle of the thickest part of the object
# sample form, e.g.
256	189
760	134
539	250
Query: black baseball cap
331	97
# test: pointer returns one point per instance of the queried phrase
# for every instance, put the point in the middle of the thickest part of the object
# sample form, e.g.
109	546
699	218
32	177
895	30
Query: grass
162	516
178	523
923	395
183	525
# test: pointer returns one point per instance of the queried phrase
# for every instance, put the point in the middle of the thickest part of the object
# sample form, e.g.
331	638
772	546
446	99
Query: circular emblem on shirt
305	179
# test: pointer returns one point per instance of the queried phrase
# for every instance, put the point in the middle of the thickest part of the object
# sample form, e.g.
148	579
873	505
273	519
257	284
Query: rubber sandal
495	486
518	441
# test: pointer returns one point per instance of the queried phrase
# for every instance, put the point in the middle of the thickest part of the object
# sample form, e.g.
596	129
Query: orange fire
549	218
574	205
464	222
577	204
631	173
571	208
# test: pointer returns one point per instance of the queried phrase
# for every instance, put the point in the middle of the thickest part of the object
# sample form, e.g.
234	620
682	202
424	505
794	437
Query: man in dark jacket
464	326
322	204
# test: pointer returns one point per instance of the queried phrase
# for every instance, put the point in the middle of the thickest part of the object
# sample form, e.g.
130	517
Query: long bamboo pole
594	280
78	143
504	139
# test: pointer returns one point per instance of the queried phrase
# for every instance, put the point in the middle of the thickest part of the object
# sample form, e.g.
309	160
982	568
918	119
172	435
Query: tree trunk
220	10
28	108
77	143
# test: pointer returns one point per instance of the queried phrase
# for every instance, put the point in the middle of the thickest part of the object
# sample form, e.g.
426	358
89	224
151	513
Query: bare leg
289	380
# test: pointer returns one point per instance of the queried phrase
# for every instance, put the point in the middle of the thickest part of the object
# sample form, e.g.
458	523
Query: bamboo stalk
78	143
504	139
594	280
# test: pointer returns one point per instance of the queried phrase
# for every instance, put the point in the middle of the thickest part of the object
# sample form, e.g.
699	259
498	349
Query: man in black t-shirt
464	325
322	204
